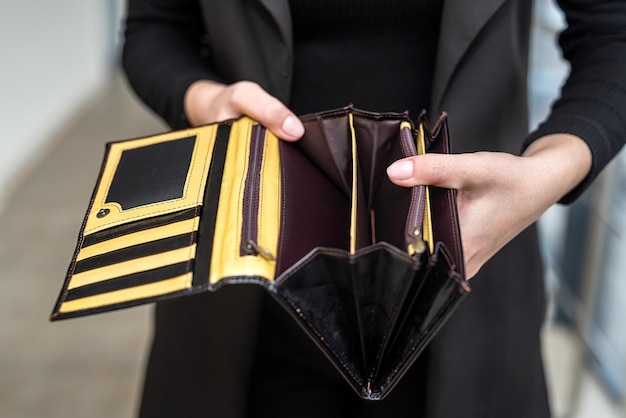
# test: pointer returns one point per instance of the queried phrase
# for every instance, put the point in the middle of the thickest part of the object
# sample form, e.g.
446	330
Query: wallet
370	270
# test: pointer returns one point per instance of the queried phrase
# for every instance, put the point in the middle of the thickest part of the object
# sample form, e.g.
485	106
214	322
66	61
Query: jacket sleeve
165	51
592	104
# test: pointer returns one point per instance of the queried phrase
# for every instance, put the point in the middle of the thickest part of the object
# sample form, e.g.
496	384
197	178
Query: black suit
486	362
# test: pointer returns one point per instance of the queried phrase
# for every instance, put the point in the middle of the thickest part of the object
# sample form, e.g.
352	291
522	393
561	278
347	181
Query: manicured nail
293	127
400	170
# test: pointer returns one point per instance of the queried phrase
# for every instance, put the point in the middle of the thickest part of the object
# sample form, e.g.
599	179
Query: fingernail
293	127
400	170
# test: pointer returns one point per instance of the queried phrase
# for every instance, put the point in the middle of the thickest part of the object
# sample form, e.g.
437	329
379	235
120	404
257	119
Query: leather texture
316	222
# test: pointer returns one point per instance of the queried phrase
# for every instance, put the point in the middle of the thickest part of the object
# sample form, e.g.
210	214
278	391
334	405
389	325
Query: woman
197	62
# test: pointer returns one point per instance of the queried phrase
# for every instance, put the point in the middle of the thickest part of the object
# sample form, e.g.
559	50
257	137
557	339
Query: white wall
54	55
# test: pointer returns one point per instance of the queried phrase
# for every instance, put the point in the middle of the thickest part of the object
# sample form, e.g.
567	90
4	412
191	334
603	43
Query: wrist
197	99
562	162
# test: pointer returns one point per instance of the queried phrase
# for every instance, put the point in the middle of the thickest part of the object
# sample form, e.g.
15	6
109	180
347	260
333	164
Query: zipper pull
253	247
418	245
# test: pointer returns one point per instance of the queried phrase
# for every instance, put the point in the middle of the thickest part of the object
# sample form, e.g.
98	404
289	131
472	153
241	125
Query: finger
255	102
452	171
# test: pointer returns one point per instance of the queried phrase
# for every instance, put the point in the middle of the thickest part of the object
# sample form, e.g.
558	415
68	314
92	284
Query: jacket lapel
461	22
279	10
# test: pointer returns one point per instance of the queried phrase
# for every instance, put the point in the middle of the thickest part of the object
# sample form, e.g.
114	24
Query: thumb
255	102
451	171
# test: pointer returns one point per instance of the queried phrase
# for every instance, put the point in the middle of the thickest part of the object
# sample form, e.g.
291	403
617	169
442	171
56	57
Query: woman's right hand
208	101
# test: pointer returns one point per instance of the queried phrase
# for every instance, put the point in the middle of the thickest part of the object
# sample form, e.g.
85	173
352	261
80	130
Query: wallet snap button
103	212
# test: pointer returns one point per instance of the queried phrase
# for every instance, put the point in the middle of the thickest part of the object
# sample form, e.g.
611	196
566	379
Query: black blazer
480	73
487	361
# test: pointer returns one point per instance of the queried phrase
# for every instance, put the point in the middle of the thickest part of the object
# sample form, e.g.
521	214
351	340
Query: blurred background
62	97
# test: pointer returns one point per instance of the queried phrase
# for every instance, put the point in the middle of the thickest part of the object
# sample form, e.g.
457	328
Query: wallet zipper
251	197
415	217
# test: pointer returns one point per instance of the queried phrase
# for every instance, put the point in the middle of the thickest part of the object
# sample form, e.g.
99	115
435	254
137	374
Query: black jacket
486	362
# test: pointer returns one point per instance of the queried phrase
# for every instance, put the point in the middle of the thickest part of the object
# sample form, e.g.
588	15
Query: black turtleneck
376	54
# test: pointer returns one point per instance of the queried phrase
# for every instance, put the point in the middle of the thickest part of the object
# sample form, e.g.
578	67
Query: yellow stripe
132	266
226	260
269	203
427	225
228	221
194	185
140	237
353	213
125	295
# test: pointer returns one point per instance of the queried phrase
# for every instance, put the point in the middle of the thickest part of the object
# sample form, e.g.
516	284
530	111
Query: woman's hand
499	194
208	101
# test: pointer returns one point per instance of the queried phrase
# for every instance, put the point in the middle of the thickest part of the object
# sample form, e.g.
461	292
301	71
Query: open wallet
370	270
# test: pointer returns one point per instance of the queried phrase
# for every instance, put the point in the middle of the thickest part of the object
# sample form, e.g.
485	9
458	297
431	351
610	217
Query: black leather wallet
370	270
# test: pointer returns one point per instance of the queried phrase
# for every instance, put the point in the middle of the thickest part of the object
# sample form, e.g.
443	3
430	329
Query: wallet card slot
149	262
128	281
135	251
375	140
354	154
308	221
377	148
333	154
138	238
148	177
137	226
124	297
151	174
445	216
131	250
388	204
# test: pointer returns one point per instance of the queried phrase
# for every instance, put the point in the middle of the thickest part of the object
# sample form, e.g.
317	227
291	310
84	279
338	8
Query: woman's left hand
499	194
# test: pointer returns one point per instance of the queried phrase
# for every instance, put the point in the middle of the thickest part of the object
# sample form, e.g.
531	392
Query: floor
79	368
93	366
